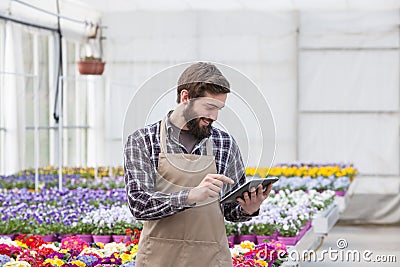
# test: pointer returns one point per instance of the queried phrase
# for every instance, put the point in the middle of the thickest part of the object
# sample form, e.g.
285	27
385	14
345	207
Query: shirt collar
170	128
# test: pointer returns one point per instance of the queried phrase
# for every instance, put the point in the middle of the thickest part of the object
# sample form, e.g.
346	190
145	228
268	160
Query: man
175	171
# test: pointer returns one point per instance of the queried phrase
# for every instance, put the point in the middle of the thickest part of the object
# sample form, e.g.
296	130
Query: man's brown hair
202	77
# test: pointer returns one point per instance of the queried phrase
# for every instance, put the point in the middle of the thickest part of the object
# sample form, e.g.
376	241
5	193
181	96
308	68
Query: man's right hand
210	186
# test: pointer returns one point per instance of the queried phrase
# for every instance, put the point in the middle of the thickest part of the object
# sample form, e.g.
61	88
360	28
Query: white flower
7	241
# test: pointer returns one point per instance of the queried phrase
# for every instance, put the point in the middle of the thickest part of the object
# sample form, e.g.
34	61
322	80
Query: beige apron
194	237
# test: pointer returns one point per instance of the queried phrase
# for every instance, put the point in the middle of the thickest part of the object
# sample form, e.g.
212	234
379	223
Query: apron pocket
163	252
202	253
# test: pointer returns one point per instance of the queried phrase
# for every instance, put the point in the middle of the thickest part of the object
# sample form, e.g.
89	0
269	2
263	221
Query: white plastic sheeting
370	141
263	47
344	29
349	80
13	101
349	63
349	66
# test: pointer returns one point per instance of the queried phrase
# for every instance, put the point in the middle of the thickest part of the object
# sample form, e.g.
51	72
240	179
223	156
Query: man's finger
260	191
217	182
241	201
246	197
269	188
222	178
214	188
213	194
253	193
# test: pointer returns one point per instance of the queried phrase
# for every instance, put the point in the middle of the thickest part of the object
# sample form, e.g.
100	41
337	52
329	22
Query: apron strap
163	140
163	137
209	148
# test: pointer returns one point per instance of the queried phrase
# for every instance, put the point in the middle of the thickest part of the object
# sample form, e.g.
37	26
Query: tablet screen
239	192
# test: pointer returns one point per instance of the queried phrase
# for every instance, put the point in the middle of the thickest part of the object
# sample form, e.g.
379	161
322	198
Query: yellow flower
126	257
261	262
20	244
250	171
58	262
101	245
79	263
134	249
247	244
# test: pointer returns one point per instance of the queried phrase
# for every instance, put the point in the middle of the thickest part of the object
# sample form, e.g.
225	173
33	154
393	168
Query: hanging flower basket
91	67
91	54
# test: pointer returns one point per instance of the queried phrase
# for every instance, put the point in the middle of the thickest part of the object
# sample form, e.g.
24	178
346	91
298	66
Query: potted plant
264	231
102	233
119	232
91	62
246	234
341	185
134	236
91	66
232	232
287	234
84	231
9	228
45	231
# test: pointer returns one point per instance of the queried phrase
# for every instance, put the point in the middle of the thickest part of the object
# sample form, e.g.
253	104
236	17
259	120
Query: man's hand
210	186
252	203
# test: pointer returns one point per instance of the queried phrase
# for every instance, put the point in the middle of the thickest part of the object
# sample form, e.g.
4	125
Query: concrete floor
380	240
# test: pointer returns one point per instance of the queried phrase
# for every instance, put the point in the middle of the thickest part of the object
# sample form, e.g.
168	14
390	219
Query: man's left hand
252	202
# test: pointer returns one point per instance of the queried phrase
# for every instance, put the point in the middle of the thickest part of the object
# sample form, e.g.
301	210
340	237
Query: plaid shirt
140	165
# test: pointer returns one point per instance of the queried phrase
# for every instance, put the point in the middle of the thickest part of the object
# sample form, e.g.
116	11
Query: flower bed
81	211
302	176
305	169
29	250
285	216
99	212
73	178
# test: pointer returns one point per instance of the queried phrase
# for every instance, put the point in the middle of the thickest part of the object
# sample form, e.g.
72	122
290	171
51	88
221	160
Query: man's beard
193	124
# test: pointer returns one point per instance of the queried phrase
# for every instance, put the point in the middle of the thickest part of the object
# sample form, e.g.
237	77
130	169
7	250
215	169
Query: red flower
46	251
10	251
73	243
32	241
128	231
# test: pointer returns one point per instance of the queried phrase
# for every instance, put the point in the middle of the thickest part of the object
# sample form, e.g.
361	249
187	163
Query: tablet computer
239	192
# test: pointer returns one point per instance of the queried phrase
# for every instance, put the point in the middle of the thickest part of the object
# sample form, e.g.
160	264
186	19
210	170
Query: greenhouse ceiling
128	5
110	6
